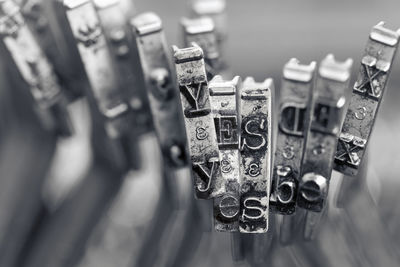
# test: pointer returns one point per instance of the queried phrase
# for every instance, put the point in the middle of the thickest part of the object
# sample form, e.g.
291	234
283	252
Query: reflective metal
200	129
224	109
161	90
114	21
25	53
202	32
296	94
256	155
98	64
328	109
366	98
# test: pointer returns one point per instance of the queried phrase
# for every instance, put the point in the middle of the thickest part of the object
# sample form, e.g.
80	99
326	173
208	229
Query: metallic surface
98	63
201	135
114	18
202	32
224	109
256	155
44	19
161	90
215	9
35	69
366	98
296	94
328	108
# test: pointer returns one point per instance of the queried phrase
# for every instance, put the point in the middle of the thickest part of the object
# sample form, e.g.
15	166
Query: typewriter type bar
296	94
36	71
115	24
44	19
224	110
162	94
214	9
202	32
256	155
200	129
99	65
328	111
366	98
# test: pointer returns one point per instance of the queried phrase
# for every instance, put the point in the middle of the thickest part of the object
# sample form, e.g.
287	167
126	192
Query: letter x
375	90
347	155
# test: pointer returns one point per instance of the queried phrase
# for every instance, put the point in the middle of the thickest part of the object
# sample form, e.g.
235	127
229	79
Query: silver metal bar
295	116
35	69
202	32
223	101
256	155
161	91
114	20
331	85
200	129
366	98
215	9
98	63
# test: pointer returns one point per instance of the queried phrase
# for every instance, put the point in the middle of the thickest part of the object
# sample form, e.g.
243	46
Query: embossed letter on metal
366	98
296	93
328	110
255	159
199	124
224	109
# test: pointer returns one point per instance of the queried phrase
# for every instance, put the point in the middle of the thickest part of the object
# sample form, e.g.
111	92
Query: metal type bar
224	109
328	108
114	20
161	91
366	98
202	32
256	155
42	17
98	63
114	127
35	69
215	9
294	123
200	129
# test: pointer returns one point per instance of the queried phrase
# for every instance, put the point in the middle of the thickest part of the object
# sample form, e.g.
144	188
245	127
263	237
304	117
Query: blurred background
62	206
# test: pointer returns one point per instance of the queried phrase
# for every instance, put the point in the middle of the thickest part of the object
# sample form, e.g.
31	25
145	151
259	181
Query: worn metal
99	65
294	122
46	19
161	91
114	20
328	110
256	155
223	101
25	53
200	130
367	95
202	32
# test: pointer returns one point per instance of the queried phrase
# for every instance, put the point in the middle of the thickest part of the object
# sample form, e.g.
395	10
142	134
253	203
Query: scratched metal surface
366	232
